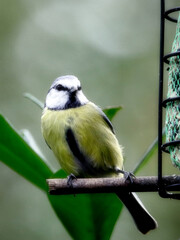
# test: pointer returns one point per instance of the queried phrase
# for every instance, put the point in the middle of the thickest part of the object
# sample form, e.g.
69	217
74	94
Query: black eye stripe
59	87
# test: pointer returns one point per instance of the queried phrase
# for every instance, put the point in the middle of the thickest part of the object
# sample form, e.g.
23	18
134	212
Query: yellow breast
92	133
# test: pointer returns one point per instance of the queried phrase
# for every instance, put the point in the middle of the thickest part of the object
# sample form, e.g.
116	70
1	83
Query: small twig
110	185
148	154
34	100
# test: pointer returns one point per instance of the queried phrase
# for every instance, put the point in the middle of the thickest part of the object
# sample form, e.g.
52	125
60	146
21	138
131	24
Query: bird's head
65	93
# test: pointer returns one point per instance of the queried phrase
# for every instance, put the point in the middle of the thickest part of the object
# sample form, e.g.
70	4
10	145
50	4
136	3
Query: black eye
59	87
79	88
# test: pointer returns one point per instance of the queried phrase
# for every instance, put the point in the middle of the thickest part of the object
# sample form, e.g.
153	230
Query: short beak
73	91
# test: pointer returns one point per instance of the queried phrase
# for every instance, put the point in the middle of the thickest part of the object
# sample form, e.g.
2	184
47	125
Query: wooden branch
110	185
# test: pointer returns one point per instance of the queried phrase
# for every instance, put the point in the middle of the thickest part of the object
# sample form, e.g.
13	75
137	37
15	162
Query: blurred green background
113	48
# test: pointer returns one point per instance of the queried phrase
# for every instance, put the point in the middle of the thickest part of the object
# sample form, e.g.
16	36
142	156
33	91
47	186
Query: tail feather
143	220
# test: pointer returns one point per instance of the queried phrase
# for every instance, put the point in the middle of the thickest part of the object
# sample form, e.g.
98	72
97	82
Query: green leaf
151	150
111	111
87	216
18	155
29	139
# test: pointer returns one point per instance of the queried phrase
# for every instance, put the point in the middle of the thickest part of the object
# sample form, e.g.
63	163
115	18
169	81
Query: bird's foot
70	179
127	175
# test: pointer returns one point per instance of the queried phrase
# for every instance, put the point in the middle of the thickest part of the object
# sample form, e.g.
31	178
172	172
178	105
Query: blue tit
83	140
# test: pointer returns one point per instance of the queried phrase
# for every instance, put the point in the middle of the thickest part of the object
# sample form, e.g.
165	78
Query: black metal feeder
165	59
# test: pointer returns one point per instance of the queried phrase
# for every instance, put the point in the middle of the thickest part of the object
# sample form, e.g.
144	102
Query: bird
83	140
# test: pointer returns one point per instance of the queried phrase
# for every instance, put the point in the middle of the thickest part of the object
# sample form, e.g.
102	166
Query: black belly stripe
83	160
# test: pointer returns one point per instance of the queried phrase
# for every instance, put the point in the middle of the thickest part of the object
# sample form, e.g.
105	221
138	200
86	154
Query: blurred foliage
85	216
15	153
111	111
113	48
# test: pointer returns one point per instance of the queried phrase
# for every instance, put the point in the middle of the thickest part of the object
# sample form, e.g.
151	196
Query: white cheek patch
64	98
56	99
82	98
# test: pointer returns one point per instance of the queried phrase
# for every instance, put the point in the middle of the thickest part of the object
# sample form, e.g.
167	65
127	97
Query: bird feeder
171	104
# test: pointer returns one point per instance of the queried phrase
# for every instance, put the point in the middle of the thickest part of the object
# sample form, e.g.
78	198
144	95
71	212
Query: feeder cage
171	104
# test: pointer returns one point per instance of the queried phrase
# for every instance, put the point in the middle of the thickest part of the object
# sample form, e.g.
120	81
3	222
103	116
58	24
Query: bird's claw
127	175
70	179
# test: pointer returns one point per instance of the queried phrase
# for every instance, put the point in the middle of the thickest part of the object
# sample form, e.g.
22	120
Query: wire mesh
172	124
172	103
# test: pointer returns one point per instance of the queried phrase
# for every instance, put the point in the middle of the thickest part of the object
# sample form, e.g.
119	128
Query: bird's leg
70	179
127	175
